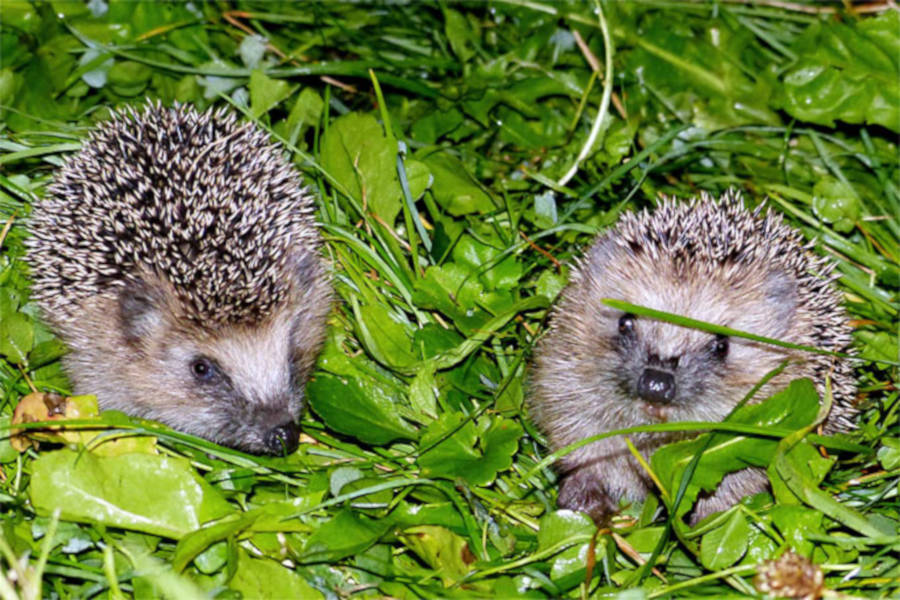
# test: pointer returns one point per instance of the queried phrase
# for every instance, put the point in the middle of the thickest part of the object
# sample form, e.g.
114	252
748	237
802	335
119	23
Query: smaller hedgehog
599	369
177	256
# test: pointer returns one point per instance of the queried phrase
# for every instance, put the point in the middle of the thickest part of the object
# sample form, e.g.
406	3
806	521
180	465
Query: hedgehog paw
580	491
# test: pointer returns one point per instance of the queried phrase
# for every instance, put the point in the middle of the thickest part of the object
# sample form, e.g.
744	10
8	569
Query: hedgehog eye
203	369
720	347
626	324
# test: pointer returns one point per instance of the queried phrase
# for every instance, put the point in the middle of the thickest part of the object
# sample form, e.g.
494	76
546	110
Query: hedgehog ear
600	254
781	295
139	311
305	268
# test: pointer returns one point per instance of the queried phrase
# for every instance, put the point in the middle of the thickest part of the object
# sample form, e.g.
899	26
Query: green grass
420	474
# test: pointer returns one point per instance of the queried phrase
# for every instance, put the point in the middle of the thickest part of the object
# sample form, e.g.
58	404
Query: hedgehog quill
176	254
599	369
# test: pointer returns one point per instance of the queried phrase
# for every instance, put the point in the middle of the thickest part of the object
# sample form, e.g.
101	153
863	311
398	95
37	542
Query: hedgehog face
643	370
662	381
241	384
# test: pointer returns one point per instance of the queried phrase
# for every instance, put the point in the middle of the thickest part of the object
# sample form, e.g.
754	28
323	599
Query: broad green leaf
155	494
445	514
266	93
567	535
563	528
433	125
213	85
128	78
808	464
341	477
306	112
726	544
422	394
344	535
836	202
431	340
7	452
494	273
265	578
356	152
475	452
795	473
511	398
529	133
251	51
474	341
418	176
386	336
377	499
459	31
94	67
456	292
889	453
441	549
16	337
545	210
645	539
213	558
550	284
21	15
798	525
351	407
879	345
454	189
268	517
697	76
8	86
847	71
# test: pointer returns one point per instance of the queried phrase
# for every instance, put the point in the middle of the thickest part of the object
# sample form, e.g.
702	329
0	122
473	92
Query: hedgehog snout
283	439
657	381
268	428
656	386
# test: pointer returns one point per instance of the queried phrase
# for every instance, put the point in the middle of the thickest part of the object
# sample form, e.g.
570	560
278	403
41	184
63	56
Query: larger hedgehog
599	369
176	255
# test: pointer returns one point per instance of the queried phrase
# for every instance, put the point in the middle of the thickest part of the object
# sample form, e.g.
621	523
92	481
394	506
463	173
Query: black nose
283	439
656	386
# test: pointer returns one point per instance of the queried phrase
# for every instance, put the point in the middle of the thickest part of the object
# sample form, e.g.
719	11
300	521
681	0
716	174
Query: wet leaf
726	544
453	188
355	409
889	453
455	447
387	337
155	494
344	535
846	71
444	551
265	578
356	152
835	202
266	93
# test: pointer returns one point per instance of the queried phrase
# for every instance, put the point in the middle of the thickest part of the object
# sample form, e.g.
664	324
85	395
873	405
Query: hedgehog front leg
597	477
581	491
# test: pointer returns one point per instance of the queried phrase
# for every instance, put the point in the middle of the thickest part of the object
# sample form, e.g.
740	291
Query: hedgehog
177	256
598	369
